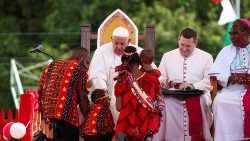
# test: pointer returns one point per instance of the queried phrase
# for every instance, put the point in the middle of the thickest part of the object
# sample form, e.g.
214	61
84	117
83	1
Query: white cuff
98	83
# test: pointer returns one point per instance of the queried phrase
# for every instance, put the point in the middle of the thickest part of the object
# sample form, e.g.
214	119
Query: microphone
37	49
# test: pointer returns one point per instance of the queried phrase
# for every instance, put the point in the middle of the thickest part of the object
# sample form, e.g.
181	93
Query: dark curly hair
131	56
148	55
96	94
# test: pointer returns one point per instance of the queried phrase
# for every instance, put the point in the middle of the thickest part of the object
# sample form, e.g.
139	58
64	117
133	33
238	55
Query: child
99	124
136	92
147	58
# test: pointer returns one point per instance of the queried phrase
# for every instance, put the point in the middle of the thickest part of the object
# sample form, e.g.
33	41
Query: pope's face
186	46
119	43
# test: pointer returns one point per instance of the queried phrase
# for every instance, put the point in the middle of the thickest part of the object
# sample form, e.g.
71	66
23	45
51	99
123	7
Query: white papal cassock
193	69
102	72
228	105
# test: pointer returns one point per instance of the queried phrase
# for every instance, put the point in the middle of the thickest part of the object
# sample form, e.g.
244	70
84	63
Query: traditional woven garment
61	83
135	119
99	121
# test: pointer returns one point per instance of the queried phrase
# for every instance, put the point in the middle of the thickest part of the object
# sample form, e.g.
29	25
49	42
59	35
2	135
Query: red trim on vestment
195	118
246	104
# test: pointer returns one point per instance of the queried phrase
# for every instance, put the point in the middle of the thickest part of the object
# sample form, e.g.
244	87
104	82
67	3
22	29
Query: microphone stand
47	55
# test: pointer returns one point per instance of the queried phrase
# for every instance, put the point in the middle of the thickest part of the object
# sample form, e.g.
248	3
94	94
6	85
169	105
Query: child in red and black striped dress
99	124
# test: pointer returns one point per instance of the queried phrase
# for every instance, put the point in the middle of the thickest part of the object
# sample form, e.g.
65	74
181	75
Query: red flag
216	1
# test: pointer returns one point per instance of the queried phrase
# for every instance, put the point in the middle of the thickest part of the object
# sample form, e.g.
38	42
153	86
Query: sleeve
41	85
43	77
156	73
82	86
220	68
108	124
163	69
153	65
83	91
98	83
204	84
121	86
157	86
153	84
97	71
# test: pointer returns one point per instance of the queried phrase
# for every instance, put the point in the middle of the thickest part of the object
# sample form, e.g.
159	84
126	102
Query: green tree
24	24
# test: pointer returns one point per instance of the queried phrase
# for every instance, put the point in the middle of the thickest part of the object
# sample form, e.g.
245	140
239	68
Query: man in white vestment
231	105
104	61
186	119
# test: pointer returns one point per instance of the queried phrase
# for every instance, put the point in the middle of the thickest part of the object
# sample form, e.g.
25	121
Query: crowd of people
124	100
